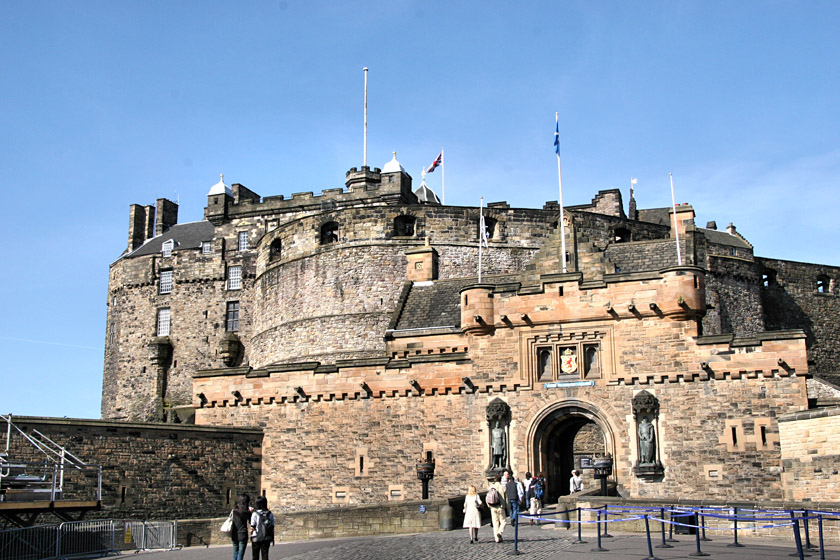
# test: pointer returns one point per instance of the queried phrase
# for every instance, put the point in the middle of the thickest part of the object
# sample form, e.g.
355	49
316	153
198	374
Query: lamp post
426	472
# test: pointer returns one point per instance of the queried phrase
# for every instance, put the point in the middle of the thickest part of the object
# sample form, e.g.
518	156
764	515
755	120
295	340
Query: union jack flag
438	161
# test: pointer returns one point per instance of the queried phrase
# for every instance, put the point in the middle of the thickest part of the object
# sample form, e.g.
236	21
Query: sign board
560	385
586	462
422	509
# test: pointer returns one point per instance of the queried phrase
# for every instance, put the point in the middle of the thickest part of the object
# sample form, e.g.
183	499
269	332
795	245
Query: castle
351	328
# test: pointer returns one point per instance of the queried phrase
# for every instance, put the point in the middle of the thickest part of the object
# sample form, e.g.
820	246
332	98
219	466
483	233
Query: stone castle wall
154	471
791	299
811	455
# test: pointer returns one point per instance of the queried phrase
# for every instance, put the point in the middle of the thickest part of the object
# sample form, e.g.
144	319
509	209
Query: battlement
365	185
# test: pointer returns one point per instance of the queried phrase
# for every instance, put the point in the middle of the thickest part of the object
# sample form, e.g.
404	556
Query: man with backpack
262	535
537	493
495	500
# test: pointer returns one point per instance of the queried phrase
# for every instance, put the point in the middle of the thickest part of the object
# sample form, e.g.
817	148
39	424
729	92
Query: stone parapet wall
155	471
811	455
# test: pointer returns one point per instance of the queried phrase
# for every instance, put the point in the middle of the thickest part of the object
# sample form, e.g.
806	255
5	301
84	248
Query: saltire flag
438	161
557	138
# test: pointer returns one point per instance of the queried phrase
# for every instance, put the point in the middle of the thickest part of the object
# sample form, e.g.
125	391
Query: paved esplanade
536	543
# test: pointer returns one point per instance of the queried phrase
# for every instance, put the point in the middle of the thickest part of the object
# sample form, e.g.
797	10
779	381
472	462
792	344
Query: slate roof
435	305
186	236
724	238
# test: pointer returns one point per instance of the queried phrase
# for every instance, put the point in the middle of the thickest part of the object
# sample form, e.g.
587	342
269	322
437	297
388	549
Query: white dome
220	188
393	166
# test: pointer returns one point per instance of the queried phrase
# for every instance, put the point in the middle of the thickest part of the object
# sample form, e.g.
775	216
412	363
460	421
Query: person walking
262	523
472	517
575	482
496	501
537	493
512	489
241	525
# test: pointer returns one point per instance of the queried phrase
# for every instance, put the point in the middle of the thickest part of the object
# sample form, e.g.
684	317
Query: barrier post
697	540
796	536
671	525
647	534
807	533
822	547
735	543
606	535
703	526
599	548
516	536
662	529
580	525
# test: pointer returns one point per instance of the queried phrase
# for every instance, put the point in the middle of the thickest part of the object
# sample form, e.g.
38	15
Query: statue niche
646	415
498	421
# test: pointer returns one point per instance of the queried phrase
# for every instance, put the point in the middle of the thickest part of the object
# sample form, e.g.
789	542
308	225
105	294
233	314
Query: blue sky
105	104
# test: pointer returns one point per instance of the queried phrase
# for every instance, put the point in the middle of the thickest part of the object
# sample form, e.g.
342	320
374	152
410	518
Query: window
544	364
206	248
823	284
404	226
166	248
275	249
490	225
329	233
164	319
234	278
768	277
243	240
165	282
232	316
622	235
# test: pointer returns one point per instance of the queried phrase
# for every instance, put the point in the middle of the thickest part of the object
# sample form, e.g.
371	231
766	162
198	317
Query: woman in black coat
241	526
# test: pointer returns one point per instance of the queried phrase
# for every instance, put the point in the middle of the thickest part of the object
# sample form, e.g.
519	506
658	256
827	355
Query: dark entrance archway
563	434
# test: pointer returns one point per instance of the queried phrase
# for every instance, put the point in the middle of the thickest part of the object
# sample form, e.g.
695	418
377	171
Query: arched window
823	284
329	233
621	235
274	250
404	226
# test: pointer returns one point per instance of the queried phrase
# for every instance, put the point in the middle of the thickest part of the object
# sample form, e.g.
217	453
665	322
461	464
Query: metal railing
148	535
67	540
29	543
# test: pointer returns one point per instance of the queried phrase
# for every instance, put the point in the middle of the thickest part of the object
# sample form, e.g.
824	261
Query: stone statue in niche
498	424
647	442
497	446
646	414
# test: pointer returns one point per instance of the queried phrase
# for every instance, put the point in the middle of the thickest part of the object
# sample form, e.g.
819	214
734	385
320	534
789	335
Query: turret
219	200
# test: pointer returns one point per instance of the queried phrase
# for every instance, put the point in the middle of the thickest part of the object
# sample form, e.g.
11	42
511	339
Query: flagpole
676	229
364	160
560	184
443	179
480	235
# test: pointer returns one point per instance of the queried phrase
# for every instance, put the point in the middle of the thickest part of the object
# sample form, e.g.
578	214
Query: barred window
164	320
166	248
243	240
234	278
206	248
232	316
165	282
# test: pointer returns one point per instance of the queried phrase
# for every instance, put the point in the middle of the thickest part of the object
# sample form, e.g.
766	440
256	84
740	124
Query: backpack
539	490
493	498
264	530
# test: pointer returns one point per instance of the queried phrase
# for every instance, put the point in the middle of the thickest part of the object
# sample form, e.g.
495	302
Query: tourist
512	493
262	522
537	493
241	524
496	501
526	485
472	517
575	483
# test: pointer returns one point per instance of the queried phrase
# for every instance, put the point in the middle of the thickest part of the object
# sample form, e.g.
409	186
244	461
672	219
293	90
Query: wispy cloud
49	343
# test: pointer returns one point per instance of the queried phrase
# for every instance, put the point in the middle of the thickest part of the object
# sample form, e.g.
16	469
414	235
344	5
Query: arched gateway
561	434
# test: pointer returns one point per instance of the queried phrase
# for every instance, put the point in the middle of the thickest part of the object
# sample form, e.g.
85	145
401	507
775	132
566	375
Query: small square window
206	248
164	320
234	278
232	316
243	240
166	248
165	282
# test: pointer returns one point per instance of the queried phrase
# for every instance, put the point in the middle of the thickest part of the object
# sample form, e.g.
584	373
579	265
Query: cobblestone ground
537	543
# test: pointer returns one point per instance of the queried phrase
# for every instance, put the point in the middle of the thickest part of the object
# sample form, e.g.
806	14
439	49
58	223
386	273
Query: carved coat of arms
568	361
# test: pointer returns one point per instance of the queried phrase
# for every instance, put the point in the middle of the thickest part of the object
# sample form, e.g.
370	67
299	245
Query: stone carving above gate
646	415
498	421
